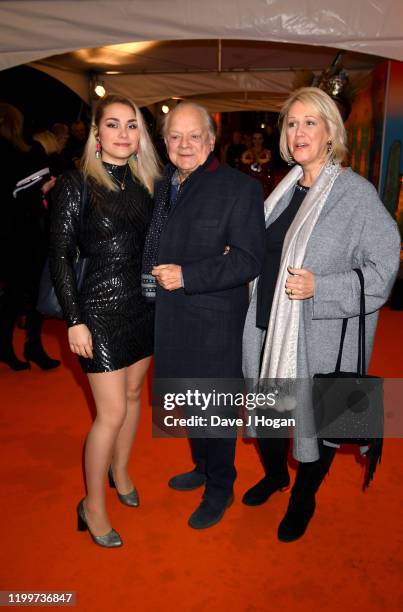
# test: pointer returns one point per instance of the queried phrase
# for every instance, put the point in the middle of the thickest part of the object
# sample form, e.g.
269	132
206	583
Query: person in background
247	140
51	149
323	220
257	162
272	138
234	150
75	145
24	241
110	326
61	131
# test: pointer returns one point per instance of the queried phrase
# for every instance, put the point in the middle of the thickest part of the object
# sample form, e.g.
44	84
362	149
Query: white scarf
280	352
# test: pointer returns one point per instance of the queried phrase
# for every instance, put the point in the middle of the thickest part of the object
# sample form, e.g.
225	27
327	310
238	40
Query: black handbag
47	303
348	406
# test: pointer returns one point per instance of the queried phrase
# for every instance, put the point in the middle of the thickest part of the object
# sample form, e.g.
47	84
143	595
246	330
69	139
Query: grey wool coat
353	230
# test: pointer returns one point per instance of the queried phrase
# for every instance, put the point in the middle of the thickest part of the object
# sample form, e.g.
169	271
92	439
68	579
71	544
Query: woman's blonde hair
144	166
328	111
12	126
48	141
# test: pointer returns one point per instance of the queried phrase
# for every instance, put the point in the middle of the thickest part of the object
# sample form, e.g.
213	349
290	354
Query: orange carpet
350	559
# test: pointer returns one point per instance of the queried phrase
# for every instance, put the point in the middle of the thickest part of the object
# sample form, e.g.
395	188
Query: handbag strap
343	335
361	366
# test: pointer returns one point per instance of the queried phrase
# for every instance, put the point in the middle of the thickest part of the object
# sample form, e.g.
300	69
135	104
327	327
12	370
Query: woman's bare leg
135	375
109	392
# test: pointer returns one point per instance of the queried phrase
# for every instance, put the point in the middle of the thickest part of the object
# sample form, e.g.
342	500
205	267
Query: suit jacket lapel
209	165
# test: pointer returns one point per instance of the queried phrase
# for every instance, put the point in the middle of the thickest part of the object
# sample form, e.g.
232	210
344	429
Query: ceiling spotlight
262	125
165	108
100	89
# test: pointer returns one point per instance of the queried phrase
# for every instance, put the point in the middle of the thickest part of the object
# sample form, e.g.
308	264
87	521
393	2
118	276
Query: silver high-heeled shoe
129	499
110	540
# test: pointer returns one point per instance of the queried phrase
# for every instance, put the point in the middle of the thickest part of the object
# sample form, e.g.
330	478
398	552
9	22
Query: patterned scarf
280	353
162	206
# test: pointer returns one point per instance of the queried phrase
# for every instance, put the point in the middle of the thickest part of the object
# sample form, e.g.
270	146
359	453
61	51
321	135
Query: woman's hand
80	340
300	284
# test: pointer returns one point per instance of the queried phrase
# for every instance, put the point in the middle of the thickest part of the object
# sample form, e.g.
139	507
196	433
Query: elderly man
207	236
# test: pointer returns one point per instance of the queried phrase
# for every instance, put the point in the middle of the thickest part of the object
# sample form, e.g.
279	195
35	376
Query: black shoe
261	491
13	362
296	519
187	481
36	353
207	515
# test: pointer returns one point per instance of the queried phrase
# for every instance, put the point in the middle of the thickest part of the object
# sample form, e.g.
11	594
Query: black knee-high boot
273	452
301	506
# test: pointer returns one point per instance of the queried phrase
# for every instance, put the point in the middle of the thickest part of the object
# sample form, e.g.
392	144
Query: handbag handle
361	366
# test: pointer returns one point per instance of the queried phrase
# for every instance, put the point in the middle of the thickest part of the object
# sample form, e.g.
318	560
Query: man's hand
80	340
301	284
169	276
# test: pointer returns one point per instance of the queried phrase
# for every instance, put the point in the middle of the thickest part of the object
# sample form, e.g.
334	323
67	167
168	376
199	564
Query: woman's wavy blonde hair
328	111
144	166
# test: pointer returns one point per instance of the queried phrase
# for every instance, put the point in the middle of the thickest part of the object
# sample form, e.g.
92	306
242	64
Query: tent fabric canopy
34	29
240	74
223	92
262	43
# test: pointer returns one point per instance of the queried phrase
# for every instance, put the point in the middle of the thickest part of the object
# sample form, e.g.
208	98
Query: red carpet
351	557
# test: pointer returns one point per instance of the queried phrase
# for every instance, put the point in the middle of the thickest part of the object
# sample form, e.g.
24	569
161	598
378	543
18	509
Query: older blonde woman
110	326
322	221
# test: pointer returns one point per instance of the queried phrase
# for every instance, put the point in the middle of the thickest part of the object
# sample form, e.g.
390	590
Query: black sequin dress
111	236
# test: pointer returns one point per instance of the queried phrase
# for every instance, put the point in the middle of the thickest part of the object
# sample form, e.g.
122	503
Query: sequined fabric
112	237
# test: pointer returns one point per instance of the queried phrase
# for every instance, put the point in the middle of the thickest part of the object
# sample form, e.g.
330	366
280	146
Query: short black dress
111	235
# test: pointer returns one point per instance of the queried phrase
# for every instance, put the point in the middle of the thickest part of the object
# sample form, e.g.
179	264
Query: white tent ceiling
227	75
264	42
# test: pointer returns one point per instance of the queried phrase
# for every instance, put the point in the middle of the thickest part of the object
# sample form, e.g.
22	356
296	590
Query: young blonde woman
110	326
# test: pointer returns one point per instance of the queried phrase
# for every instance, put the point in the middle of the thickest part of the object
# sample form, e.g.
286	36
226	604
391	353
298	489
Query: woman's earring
98	149
290	160
135	156
329	146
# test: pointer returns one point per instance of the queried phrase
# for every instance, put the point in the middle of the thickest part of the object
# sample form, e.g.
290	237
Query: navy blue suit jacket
198	330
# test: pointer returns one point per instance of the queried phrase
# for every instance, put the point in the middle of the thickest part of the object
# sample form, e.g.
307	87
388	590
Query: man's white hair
207	118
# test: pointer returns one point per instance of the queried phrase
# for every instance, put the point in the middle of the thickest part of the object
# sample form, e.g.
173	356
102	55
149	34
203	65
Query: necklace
122	183
117	174
301	187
